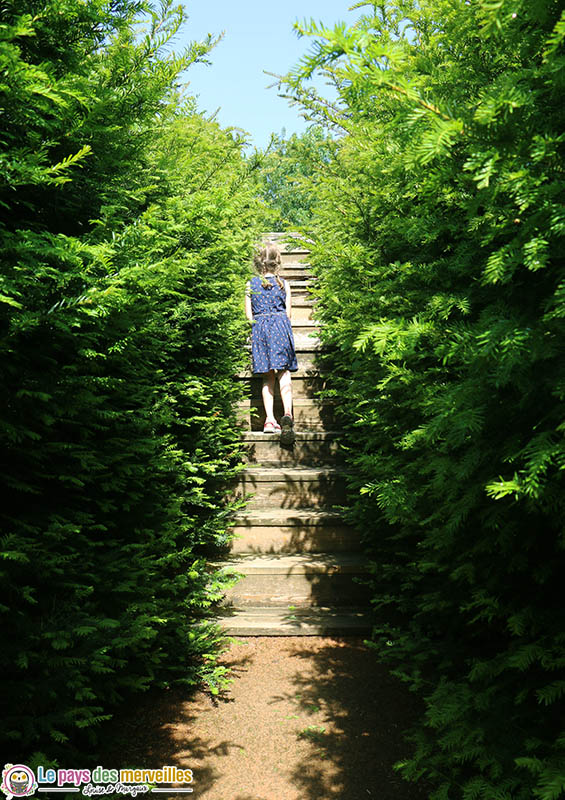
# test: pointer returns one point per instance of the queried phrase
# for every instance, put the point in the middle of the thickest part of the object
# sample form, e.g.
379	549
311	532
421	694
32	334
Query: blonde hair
268	259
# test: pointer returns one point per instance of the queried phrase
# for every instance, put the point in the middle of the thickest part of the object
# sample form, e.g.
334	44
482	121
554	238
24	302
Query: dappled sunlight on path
305	719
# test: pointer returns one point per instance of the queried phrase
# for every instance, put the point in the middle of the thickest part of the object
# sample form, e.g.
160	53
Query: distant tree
286	173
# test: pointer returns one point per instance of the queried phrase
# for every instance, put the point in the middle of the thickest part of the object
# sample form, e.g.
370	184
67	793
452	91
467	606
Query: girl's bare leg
268	392
285	385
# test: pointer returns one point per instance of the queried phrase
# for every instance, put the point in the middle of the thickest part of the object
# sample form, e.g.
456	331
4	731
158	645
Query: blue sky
258	36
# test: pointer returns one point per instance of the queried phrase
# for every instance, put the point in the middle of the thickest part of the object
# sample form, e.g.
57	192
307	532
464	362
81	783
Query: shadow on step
306	531
314	579
292	487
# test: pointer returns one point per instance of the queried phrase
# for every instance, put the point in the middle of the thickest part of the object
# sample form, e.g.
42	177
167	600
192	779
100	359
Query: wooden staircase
298	559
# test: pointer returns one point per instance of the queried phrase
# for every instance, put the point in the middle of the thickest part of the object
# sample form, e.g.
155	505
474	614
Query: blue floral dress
272	340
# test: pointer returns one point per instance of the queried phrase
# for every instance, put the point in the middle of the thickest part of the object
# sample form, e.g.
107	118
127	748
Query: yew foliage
127	225
439	249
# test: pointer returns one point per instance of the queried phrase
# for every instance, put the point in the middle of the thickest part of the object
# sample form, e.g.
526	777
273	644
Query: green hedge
127	228
439	230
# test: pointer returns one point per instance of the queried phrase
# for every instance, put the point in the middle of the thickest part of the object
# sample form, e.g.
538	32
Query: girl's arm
248	311
288	298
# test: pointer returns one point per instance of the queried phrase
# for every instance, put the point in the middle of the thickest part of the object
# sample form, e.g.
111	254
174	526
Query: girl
268	306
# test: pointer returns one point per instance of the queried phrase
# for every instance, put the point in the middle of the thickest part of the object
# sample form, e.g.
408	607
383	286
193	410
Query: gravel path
306	718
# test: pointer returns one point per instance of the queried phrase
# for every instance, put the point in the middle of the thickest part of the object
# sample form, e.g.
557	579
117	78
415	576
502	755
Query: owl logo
17	781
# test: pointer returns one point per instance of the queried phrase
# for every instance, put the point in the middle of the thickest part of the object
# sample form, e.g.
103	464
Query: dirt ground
306	718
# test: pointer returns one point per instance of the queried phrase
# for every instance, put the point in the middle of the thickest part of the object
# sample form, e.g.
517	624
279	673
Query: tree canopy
286	174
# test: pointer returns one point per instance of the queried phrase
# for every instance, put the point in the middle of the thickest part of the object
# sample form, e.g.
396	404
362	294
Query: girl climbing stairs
298	558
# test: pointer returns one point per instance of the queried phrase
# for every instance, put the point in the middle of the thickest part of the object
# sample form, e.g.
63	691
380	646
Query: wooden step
309	413
299	530
301	286
305	330
296	271
313	579
302	312
294	256
306	341
318	621
300	296
291	487
310	448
